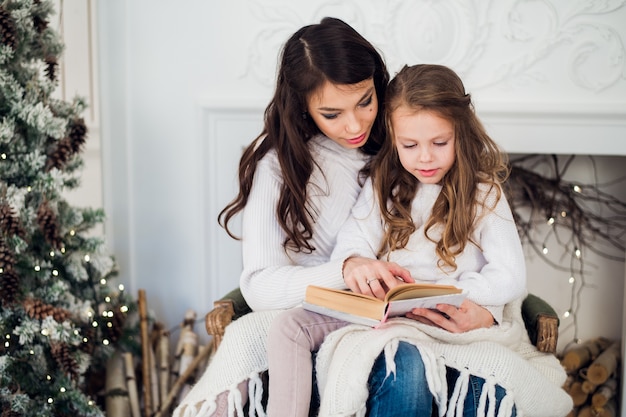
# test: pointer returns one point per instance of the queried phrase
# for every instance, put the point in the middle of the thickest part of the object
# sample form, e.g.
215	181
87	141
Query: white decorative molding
519	49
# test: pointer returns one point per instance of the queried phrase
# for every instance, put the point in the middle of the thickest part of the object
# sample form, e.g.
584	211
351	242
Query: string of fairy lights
107	315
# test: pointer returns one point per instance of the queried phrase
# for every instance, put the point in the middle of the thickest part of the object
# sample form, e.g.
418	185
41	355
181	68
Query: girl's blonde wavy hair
438	89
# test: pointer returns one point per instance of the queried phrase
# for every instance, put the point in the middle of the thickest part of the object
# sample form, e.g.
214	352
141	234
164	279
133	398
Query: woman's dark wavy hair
438	89
329	51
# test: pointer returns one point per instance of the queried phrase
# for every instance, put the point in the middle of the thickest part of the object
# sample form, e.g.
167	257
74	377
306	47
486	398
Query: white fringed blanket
532	379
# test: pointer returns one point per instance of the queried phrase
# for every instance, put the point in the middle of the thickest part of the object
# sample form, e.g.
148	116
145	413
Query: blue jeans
406	393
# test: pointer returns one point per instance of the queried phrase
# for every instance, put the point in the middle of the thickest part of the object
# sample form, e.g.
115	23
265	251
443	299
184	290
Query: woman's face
425	143
345	113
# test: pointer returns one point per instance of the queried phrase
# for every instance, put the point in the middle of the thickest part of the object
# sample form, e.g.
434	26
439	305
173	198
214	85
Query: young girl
435	206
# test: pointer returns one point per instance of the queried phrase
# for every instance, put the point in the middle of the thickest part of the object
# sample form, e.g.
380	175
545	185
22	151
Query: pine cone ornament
9	287
39	310
51	67
9	223
89	334
48	223
62	354
59	155
8	33
40	24
78	134
114	331
7	257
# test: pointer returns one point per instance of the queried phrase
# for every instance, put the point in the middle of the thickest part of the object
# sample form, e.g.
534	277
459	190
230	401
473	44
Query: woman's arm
273	278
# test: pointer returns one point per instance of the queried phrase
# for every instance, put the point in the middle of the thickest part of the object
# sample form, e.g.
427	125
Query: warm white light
45	332
124	309
37	268
94	324
55	273
107	299
577	252
563	214
62	389
87	258
566	314
50	400
103	281
545	250
577	189
121	287
551	221
105	342
52	254
571	280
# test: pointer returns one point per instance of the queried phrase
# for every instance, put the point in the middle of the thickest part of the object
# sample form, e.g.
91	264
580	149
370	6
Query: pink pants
293	336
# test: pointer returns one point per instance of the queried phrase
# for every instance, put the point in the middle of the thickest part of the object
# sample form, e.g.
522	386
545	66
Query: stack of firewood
593	377
153	384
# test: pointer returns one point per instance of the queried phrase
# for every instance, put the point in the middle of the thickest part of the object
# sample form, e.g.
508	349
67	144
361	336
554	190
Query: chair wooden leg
547	333
217	320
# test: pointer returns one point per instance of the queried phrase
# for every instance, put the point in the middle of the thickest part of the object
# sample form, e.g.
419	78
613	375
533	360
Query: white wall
183	85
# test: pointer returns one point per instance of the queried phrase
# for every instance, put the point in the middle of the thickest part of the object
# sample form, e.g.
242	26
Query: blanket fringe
457	400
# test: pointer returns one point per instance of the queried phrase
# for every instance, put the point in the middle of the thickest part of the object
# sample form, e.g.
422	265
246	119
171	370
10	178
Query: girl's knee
286	326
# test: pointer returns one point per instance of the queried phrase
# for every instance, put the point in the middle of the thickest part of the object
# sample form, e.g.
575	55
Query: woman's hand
468	316
373	277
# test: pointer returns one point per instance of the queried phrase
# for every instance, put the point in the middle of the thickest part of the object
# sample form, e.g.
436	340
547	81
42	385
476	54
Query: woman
298	181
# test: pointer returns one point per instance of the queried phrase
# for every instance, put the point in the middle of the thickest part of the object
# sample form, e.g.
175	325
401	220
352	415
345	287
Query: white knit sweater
272	278
493	274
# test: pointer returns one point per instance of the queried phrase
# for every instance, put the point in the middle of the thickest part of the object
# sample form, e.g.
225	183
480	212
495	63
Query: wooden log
117	403
162	352
604	365
604	393
131	385
579	397
179	383
582	354
145	353
608	410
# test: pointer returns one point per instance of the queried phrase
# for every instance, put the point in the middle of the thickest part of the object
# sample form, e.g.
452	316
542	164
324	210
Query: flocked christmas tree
61	316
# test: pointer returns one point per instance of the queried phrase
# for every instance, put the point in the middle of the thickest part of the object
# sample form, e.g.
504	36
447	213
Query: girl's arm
357	244
501	277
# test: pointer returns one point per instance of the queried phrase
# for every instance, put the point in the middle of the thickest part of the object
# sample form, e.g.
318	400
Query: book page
417	290
401	307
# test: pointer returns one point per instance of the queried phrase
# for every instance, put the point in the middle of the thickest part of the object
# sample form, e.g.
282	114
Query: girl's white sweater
493	274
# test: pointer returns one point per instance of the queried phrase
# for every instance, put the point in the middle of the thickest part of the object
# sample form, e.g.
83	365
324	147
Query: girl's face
345	113
425	143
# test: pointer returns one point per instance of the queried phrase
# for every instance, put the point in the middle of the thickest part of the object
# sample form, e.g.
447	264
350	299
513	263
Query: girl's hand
468	316
373	277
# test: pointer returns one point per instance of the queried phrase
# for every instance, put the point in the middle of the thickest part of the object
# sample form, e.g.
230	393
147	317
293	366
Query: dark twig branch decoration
579	217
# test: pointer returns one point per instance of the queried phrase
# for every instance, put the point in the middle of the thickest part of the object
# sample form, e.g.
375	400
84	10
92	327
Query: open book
364	309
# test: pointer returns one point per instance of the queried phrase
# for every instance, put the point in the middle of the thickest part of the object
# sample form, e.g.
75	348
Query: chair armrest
542	323
225	310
